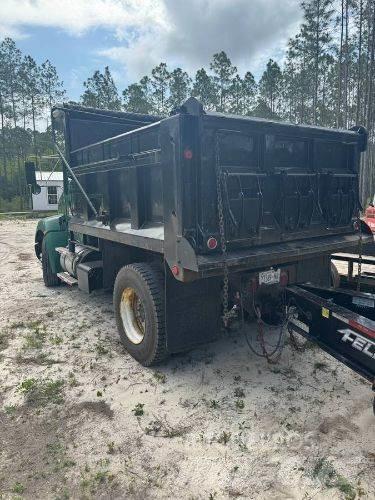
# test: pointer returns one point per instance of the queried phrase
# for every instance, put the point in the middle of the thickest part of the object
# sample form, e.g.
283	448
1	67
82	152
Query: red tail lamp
212	243
188	154
175	270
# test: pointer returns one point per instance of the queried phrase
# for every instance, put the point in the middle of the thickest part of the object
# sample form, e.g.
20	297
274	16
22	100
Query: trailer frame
341	322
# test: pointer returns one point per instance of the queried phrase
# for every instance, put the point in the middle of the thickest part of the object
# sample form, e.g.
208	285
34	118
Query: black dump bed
288	192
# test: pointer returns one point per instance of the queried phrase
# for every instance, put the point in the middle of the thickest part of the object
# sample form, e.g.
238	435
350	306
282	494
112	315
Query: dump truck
190	216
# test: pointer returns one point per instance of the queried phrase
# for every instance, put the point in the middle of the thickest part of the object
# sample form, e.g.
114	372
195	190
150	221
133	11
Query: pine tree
33	92
270	87
236	93
179	88
224	72
11	60
249	87
52	86
3	109
204	89
315	32
101	91
159	82
137	97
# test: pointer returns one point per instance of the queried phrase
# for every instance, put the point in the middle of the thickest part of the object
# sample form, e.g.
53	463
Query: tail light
212	243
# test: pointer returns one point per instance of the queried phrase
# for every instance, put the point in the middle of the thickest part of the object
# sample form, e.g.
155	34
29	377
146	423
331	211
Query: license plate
269	277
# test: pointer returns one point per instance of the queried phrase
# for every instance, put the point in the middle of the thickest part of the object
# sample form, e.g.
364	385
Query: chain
359	274
223	242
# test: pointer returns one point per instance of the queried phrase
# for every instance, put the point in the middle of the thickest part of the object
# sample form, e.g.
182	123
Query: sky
132	36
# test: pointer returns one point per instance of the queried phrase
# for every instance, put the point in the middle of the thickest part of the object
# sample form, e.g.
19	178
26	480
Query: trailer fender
54	231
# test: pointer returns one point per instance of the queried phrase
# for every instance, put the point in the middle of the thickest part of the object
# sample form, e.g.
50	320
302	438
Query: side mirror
31	178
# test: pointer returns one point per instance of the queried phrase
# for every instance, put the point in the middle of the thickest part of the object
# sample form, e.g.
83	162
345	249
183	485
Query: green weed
239	393
36	335
224	437
4	341
240	404
160	377
138	410
18	488
330	478
41	392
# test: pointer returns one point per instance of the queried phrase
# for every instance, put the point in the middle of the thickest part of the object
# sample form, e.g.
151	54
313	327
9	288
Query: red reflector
175	270
188	154
212	243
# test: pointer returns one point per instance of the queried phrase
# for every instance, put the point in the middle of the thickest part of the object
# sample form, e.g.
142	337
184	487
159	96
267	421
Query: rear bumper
276	254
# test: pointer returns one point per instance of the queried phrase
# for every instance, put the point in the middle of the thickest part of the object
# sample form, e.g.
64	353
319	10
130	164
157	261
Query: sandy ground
79	418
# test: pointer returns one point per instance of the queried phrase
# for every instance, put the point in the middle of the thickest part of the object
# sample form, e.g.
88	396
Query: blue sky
132	36
75	57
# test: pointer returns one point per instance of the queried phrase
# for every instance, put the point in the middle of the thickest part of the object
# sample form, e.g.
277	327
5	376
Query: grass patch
10	409
4	341
35	336
329	477
96	479
160	377
56	340
240	404
224	437
162	428
18	488
17	324
41	392
239	392
138	410
39	359
57	457
101	350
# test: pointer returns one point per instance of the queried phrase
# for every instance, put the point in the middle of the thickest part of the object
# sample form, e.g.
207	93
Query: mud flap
192	312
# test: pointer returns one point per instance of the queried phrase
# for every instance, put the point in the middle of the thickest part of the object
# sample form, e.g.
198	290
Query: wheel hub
132	315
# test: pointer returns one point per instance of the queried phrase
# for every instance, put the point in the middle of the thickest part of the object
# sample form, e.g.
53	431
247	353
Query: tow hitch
341	322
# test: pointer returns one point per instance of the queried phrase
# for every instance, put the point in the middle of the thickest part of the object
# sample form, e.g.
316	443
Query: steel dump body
289	192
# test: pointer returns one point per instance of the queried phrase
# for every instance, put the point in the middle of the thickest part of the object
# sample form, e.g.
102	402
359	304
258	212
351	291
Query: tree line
327	78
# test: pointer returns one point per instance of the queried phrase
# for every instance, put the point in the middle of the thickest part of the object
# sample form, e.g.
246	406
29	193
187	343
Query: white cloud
183	32
78	16
189	33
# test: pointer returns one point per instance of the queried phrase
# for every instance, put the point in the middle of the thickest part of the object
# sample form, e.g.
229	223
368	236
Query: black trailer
188	216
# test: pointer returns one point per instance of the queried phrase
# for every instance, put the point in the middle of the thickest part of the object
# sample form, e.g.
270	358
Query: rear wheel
138	298
49	277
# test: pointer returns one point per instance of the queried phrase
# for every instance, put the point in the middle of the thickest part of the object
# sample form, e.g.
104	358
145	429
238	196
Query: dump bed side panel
83	126
122	176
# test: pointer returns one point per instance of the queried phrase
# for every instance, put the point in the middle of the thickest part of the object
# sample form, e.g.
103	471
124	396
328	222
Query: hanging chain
223	242
359	274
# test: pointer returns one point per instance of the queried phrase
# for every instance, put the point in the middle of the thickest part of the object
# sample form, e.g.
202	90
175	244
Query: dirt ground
79	418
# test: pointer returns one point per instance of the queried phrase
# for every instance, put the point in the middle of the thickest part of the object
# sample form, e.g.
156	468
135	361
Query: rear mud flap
192	312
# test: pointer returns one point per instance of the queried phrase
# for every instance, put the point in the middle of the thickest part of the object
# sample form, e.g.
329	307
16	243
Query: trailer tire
49	277
141	287
335	276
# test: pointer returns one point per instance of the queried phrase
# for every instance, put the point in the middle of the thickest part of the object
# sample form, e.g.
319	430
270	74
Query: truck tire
335	276
49	277
138	299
